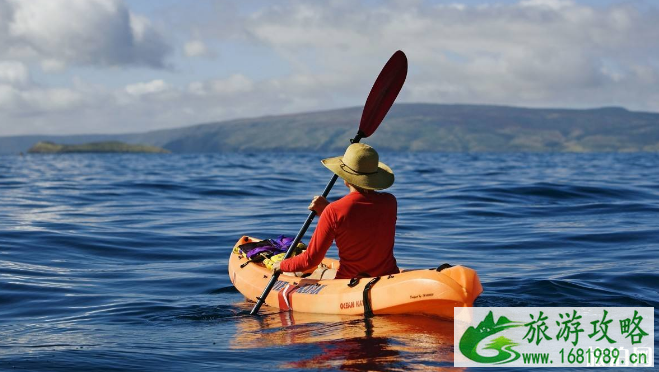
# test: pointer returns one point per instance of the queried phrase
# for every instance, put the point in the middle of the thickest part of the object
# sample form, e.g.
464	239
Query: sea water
119	262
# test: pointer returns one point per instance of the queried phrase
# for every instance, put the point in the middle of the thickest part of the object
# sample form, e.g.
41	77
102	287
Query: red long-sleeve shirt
363	226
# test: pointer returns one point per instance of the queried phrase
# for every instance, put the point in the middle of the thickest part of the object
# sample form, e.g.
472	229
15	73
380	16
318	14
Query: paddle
379	101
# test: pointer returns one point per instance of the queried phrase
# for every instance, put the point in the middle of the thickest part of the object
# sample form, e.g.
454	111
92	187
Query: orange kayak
426	291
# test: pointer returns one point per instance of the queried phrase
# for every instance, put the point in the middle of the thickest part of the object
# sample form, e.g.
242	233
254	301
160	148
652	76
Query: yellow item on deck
269	262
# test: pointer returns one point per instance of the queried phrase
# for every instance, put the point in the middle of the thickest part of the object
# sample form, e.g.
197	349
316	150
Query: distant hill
95	147
407	127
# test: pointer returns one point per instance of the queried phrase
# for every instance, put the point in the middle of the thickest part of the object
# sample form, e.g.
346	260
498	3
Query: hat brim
380	180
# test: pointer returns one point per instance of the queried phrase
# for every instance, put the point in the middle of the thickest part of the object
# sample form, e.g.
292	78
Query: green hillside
407	127
96	147
430	127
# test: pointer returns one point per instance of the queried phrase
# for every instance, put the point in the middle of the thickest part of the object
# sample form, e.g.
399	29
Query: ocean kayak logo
473	337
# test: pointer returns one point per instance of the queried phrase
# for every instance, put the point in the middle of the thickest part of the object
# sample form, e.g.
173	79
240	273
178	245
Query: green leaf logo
488	327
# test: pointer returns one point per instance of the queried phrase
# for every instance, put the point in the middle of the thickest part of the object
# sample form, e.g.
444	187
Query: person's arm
320	242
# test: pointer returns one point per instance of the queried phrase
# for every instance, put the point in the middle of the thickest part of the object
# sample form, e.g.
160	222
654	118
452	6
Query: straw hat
361	167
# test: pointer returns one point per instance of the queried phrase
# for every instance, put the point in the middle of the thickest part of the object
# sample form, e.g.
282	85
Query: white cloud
55	99
33	101
195	48
154	86
535	52
551	4
8	97
52	65
13	72
234	84
530	53
85	32
197	88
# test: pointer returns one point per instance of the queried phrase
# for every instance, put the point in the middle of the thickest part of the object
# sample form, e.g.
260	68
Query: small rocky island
95	147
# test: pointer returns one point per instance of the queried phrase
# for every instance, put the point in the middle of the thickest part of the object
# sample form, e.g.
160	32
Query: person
363	222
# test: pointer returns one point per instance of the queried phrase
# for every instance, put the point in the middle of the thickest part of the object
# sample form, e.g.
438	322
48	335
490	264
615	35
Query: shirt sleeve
320	242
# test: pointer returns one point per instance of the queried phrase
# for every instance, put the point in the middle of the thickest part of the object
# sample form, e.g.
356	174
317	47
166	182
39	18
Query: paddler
363	223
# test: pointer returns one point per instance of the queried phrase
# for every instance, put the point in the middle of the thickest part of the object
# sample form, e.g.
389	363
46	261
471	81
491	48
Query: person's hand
318	204
275	268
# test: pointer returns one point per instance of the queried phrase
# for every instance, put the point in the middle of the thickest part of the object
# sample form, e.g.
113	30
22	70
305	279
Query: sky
117	66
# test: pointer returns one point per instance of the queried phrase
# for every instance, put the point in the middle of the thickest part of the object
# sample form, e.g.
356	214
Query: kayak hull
426	291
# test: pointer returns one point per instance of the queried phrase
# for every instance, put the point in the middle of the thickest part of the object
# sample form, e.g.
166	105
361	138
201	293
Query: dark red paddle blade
384	93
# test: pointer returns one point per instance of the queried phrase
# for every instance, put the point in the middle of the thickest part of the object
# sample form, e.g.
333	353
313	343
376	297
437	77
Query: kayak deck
426	291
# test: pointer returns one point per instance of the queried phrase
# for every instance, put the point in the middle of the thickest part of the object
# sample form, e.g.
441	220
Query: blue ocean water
119	262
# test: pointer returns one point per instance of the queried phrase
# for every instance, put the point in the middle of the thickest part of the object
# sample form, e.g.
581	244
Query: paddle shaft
298	237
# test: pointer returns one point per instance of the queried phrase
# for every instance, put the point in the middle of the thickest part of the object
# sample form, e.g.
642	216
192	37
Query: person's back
363	223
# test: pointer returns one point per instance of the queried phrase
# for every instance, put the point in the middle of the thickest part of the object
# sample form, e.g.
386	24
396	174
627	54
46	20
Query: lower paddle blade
384	93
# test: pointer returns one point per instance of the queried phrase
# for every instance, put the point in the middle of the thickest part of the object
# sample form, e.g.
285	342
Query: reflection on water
381	343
